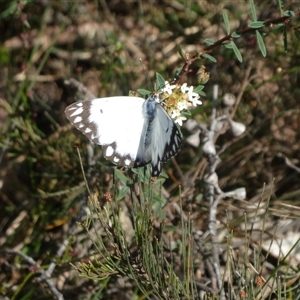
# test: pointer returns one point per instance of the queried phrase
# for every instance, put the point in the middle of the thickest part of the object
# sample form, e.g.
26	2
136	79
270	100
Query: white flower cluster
183	98
193	97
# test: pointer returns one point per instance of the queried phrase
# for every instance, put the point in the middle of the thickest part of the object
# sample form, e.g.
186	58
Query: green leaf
226	21
280	4
158	203
9	11
253	10
261	44
198	89
122	192
297	34
180	51
228	45
209	41
4	55
256	24
163	175
289	13
143	92
177	72
236	51
236	35
185	113
120	175
160	81
199	197
144	173
211	58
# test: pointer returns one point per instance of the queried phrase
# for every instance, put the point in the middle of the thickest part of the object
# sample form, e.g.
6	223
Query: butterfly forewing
115	123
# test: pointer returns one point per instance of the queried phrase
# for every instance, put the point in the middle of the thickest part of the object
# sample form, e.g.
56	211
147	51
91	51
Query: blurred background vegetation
100	43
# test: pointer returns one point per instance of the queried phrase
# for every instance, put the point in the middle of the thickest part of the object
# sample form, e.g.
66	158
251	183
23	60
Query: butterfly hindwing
166	140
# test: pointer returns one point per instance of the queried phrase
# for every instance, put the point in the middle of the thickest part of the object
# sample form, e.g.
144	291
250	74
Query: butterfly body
132	131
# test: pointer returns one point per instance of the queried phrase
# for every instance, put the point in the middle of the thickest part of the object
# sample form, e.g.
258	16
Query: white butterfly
133	131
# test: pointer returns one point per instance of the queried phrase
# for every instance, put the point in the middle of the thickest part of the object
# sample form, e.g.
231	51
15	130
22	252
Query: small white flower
179	120
194	97
195	100
177	117
190	90
175	114
182	105
168	88
184	88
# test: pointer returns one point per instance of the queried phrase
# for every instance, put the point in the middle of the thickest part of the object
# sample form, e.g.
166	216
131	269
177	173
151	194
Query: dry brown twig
44	275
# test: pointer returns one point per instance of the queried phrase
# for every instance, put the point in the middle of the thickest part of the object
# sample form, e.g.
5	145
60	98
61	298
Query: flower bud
237	128
239	194
194	139
191	124
219	125
211	178
228	100
209	148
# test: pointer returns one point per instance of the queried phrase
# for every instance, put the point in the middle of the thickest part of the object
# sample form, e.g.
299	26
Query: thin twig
227	38
44	276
